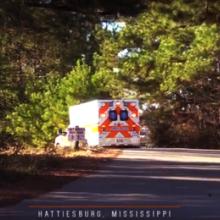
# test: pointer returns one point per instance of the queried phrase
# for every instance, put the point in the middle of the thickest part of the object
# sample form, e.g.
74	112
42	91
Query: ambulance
108	122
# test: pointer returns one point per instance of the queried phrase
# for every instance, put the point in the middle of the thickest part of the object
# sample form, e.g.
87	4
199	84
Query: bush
168	130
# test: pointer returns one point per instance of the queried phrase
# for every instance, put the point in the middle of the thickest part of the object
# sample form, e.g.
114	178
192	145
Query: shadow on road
125	181
195	187
28	176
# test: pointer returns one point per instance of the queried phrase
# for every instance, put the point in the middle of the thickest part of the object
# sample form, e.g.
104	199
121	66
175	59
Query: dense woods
168	55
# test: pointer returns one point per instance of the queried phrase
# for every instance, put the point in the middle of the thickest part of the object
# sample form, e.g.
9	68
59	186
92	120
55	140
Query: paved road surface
176	184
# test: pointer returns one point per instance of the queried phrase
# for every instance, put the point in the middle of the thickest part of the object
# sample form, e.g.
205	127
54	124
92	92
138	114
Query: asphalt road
155	183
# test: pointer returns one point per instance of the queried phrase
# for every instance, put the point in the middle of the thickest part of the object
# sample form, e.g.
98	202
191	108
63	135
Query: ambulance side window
124	115
112	115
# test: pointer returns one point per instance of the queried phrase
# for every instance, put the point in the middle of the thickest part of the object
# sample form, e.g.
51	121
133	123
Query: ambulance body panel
108	122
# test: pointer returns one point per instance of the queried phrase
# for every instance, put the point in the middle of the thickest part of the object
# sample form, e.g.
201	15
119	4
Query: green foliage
36	43
160	54
36	122
155	57
190	117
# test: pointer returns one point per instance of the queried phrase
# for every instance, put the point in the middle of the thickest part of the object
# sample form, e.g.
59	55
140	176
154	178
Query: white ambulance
108	122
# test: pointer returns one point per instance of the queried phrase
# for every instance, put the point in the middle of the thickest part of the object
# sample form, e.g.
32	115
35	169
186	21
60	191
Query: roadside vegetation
167	55
33	172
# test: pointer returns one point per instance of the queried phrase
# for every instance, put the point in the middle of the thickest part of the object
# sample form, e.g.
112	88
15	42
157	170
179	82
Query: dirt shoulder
29	174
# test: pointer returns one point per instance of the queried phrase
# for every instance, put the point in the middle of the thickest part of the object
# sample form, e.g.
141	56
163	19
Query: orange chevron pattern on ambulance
119	122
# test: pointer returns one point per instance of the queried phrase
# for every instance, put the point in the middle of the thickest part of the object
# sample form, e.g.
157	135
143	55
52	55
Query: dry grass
33	172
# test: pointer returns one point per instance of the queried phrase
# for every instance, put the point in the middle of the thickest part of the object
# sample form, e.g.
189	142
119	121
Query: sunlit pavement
166	183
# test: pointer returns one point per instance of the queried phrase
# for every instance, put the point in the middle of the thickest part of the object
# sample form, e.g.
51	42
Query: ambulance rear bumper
119	142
